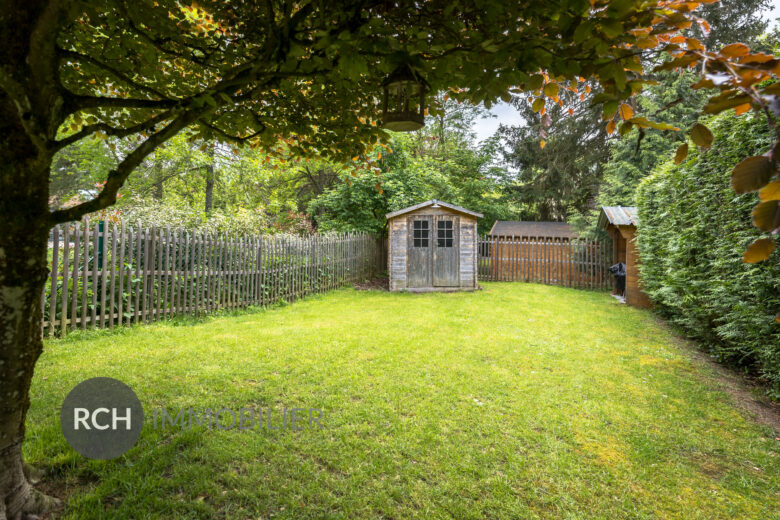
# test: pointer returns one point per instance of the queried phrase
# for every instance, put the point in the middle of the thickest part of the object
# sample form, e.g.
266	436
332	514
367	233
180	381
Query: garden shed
432	246
524	229
620	222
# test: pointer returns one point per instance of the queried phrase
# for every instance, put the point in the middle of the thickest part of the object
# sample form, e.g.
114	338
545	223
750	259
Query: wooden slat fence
580	263
104	275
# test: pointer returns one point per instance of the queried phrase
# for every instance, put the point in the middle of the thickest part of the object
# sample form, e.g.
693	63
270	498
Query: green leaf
612	28
625	127
535	82
538	104
620	77
647	123
610	109
751	174
551	90
701	135
583	31
601	98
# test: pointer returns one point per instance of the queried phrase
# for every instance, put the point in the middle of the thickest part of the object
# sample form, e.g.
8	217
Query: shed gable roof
431	202
618	216
524	228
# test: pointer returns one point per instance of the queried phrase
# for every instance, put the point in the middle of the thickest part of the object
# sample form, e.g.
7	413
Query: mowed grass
518	401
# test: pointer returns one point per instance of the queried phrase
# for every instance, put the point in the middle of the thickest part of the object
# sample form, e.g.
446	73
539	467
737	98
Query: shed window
444	233
420	230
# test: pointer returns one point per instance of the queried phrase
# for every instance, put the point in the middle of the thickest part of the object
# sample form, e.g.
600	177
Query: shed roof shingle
431	203
618	216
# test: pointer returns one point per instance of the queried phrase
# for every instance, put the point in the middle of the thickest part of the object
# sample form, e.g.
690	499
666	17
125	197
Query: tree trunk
158	191
24	234
209	189
210	181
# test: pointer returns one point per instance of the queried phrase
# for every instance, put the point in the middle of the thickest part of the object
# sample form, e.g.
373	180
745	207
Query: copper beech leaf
701	135
751	174
551	90
682	153
770	192
766	215
758	251
735	50
643	122
721	102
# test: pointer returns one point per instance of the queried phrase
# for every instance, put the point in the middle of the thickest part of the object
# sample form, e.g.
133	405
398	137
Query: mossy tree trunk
31	111
33	107
23	243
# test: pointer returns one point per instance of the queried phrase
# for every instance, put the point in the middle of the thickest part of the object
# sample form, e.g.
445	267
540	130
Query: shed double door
434	251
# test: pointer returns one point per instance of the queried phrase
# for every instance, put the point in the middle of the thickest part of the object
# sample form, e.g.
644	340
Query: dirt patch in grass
377	284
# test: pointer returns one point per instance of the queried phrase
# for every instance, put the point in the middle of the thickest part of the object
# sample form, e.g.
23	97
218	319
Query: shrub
238	221
692	232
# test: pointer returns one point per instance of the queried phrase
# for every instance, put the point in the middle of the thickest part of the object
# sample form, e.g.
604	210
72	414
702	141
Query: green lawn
518	401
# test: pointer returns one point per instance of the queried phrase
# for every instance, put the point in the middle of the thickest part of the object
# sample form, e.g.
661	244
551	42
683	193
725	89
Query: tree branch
81	102
118	176
111	70
113	131
14	90
230	137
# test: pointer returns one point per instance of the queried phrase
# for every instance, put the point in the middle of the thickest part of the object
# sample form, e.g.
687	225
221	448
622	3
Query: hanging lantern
404	101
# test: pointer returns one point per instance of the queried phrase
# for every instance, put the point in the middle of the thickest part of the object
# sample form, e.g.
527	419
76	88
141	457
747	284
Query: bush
238	221
692	232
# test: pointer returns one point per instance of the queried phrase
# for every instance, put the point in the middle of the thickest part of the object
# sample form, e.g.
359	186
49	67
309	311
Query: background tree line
557	164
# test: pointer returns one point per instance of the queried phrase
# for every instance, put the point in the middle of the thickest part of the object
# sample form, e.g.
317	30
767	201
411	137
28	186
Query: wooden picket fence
580	263
104	275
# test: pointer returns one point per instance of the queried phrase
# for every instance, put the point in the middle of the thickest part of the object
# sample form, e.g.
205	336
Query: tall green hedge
693	229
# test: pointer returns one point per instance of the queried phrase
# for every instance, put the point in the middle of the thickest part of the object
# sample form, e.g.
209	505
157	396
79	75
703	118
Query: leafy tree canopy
300	72
442	161
307	74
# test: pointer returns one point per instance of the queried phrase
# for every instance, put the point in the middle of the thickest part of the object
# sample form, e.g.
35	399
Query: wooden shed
432	246
532	230
620	223
545	252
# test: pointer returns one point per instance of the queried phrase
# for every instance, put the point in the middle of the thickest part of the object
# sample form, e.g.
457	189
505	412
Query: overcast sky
506	114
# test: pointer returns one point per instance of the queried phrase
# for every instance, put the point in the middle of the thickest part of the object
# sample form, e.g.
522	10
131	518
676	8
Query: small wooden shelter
620	223
532	230
544	251
432	247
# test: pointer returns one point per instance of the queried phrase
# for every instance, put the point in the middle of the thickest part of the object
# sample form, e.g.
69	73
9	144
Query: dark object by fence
581	263
620	222
432	247
619	272
111	275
